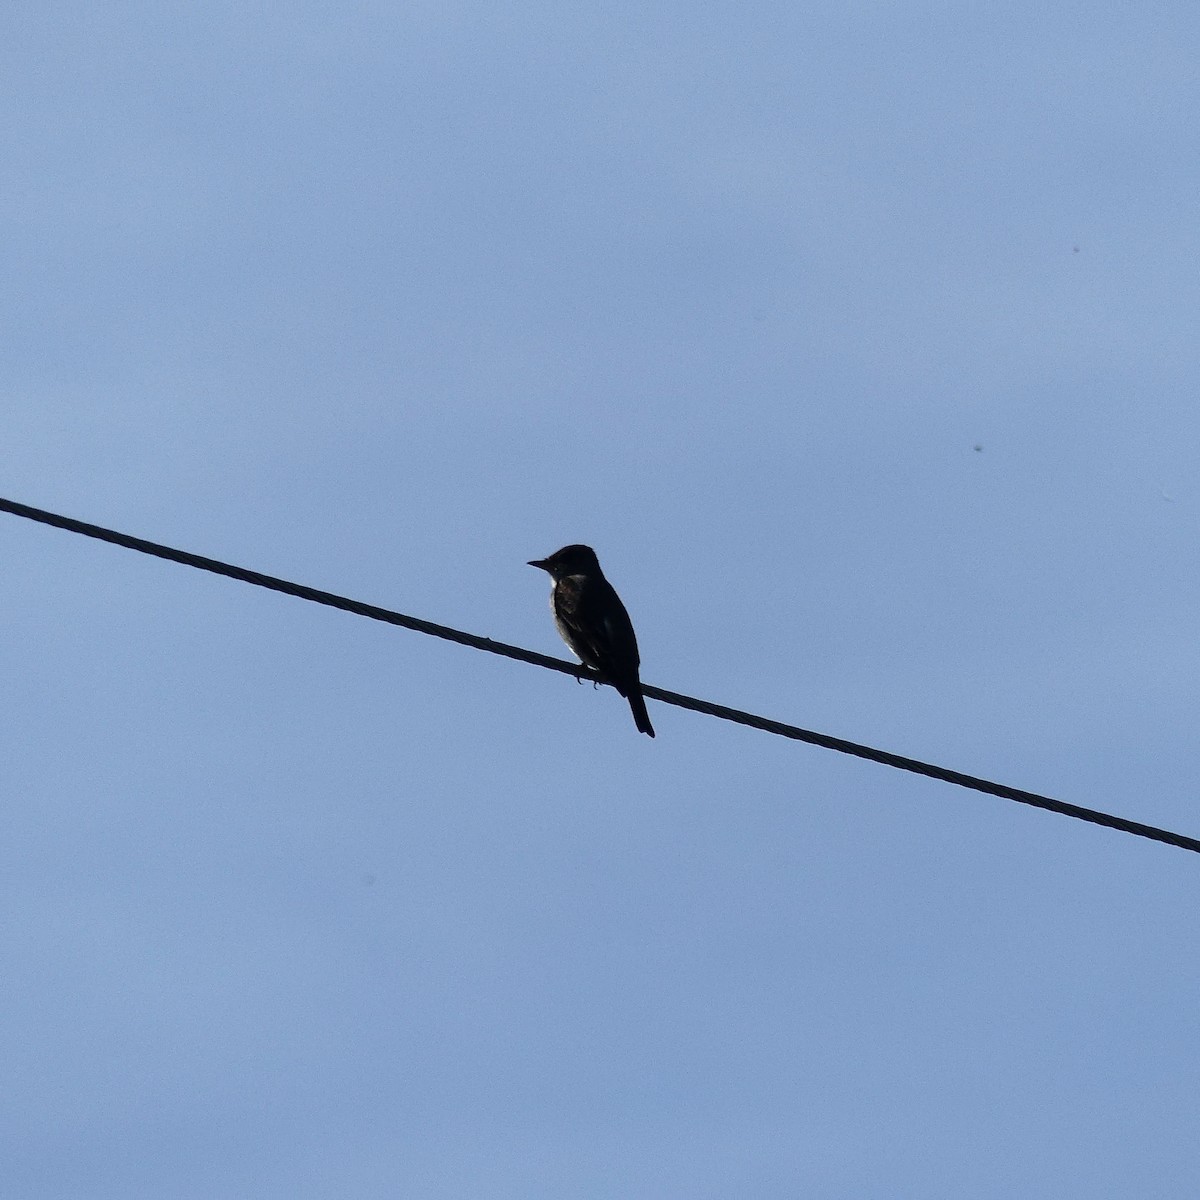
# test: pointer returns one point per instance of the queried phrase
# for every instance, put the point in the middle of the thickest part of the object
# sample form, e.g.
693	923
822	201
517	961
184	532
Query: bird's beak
540	563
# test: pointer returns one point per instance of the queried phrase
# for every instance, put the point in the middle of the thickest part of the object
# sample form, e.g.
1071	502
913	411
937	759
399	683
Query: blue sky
859	339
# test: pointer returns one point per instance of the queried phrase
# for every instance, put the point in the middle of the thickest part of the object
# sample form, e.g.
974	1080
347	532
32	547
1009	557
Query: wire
779	728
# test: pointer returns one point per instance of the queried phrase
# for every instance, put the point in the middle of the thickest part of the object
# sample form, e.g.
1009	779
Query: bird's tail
638	704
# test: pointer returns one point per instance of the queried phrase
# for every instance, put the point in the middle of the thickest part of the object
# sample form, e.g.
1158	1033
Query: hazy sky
861	342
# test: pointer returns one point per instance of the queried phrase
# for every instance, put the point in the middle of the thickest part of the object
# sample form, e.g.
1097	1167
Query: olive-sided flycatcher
593	622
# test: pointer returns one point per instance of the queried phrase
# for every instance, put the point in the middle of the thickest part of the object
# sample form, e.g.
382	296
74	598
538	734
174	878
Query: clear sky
860	340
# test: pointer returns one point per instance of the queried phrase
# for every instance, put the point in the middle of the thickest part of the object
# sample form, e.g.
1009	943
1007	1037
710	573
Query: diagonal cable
779	728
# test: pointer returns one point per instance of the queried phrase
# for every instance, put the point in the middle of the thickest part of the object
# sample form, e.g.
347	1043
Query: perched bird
593	622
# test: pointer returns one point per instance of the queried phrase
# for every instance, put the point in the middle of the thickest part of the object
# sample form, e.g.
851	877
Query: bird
593	622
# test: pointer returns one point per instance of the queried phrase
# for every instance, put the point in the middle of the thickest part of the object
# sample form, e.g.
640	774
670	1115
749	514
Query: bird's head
570	560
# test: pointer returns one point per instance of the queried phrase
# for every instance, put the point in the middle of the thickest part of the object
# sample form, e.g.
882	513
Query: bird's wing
596	626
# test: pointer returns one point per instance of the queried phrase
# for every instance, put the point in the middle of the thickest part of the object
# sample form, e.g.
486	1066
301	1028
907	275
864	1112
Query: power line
779	728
